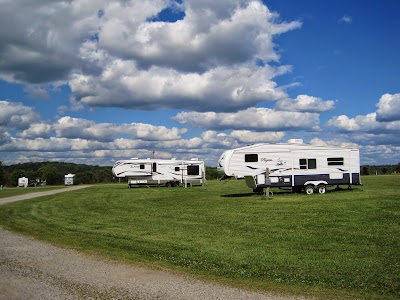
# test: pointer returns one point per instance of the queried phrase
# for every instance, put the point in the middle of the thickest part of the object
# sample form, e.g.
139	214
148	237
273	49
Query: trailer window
154	167
251	157
307	164
141	167
193	170
177	169
335	161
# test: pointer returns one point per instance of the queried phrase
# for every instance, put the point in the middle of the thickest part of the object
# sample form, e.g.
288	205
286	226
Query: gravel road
30	269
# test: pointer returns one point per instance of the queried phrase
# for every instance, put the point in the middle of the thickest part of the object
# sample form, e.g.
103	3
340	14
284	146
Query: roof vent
295	141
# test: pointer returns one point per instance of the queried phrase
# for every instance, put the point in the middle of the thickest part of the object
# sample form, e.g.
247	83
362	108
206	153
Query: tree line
53	173
380	170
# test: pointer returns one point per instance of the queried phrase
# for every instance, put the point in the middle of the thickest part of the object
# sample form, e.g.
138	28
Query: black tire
168	184
309	189
321	189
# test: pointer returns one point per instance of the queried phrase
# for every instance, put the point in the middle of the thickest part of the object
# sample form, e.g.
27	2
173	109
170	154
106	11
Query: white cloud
81	128
122	84
257	119
367	123
335	142
388	108
384	154
211	34
37	130
112	55
305	103
246	136
15	115
346	19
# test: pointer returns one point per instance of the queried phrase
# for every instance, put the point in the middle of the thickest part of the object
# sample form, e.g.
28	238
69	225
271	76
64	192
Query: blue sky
91	81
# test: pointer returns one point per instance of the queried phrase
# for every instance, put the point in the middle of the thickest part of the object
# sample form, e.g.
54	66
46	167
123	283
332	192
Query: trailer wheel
168	184
321	189
309	189
175	184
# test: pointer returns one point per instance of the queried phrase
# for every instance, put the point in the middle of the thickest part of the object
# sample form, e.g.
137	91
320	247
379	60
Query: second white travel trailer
160	171
295	165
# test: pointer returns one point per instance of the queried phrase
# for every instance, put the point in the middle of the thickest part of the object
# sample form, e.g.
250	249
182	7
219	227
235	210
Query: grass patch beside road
341	244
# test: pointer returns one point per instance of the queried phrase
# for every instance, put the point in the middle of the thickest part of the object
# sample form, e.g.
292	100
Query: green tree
51	174
365	170
213	173
2	174
13	178
86	177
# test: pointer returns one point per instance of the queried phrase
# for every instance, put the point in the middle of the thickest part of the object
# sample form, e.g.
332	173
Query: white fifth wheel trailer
295	165
160	172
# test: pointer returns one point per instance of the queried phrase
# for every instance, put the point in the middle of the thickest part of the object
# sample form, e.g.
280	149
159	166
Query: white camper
23	182
69	179
160	172
295	165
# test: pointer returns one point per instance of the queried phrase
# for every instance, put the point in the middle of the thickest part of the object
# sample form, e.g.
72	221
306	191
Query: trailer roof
293	147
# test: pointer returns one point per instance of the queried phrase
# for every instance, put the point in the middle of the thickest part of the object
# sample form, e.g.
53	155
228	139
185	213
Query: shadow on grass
239	195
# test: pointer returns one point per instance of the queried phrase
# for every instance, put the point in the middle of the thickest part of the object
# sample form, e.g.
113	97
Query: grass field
343	244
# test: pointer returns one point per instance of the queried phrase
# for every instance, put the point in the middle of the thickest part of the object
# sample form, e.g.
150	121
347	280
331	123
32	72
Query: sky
95	81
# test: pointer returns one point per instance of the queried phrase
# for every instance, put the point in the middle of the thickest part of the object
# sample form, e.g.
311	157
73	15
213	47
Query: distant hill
54	172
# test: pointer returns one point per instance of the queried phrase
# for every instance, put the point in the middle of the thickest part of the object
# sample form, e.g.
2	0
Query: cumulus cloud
386	120
257	119
367	123
14	115
119	54
334	142
122	84
85	129
36	45
37	130
388	108
210	34
305	103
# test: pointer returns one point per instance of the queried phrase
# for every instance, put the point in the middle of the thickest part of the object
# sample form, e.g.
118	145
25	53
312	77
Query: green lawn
340	244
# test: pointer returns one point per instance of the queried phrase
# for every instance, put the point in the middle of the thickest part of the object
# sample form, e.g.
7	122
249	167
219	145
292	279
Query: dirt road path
40	194
30	269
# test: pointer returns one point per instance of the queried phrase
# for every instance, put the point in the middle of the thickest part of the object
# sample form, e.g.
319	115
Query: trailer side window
335	161
193	170
307	164
177	169
154	167
141	167
251	157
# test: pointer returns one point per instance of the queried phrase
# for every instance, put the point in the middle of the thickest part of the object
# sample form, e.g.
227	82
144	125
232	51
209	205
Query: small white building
69	179
23	182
